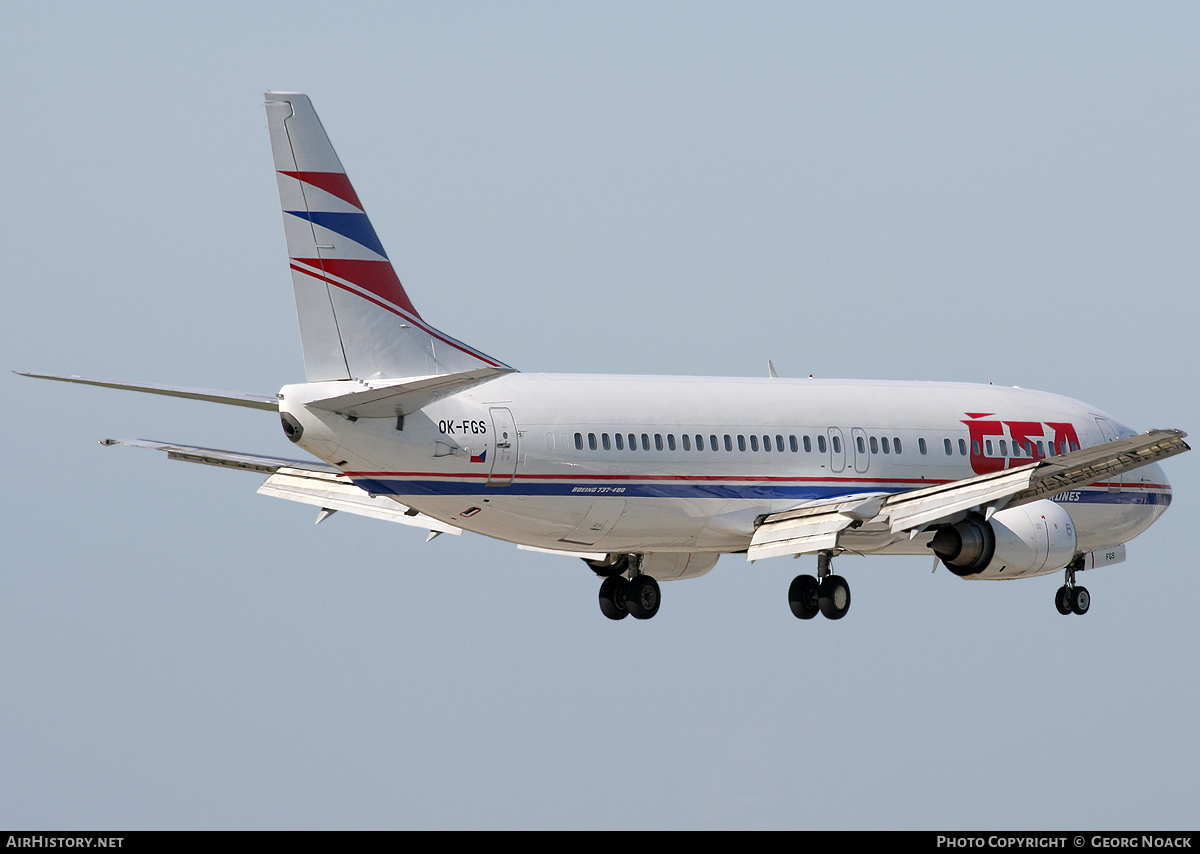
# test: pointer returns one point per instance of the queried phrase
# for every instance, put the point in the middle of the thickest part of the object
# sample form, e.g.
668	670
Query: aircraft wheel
833	597
802	596
1062	600
643	597
1081	600
612	598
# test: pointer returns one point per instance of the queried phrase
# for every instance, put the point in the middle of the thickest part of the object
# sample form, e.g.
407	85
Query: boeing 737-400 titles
652	478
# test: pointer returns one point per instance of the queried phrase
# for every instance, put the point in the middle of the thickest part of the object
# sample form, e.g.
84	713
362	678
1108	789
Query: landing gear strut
1070	598
639	596
830	595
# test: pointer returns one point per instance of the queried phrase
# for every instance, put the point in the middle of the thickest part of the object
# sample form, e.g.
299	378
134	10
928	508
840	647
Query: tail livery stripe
334	183
352	226
376	277
349	286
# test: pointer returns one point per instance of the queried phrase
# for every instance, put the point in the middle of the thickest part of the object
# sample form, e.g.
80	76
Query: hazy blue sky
950	191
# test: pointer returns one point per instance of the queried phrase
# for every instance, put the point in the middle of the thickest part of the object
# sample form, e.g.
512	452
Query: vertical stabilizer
356	321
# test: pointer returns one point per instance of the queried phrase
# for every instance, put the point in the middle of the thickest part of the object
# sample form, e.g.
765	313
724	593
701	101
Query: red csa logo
987	455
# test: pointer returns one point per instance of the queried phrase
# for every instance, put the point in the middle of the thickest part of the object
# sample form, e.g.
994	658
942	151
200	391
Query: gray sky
948	191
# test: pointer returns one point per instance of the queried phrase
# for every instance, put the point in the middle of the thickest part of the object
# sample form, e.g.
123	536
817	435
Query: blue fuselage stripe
700	489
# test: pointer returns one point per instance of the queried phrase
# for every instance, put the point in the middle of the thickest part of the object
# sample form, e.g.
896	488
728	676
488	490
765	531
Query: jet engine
1034	539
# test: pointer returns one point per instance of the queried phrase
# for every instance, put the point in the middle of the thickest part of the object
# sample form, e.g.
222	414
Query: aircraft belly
571	522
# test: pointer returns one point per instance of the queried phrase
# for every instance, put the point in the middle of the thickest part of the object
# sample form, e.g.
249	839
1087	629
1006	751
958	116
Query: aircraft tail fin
356	321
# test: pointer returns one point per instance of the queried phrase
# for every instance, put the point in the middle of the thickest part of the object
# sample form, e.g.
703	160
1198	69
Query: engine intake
1033	539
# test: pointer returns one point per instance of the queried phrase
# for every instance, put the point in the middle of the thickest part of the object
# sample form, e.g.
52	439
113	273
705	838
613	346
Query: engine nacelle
1034	539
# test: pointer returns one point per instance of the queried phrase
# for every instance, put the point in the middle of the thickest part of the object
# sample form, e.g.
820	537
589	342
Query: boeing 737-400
650	478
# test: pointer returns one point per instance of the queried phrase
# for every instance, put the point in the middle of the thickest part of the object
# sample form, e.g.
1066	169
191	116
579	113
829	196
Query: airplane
653	478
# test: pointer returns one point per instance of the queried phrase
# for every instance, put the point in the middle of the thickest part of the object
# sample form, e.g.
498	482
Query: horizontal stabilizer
297	480
253	401
216	457
388	399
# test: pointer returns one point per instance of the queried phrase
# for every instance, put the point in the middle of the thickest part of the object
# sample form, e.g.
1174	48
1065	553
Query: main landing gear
638	596
829	596
1072	599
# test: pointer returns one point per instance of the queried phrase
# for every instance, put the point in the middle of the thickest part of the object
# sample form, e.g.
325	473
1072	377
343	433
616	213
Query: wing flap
813	527
333	492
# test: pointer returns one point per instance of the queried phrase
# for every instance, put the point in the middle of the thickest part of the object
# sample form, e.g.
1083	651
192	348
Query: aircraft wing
817	526
307	482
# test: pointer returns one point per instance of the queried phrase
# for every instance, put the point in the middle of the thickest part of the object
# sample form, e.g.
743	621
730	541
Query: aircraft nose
1153	479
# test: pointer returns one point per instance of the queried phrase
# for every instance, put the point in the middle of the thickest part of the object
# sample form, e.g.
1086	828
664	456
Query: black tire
802	596
1062	600
612	598
643	597
834	597
1081	600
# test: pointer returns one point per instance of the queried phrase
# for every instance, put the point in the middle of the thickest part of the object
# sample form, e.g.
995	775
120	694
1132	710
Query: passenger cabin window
728	442
620	442
862	448
821	444
807	445
604	441
671	441
754	443
687	442
741	442
592	441
921	446
874	445
645	441
658	441
837	444
579	441
949	449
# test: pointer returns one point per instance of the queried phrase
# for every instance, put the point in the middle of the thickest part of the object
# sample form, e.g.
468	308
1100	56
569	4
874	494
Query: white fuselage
687	464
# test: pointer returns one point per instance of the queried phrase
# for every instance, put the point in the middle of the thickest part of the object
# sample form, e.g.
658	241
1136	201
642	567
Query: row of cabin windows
877	444
621	441
1023	449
